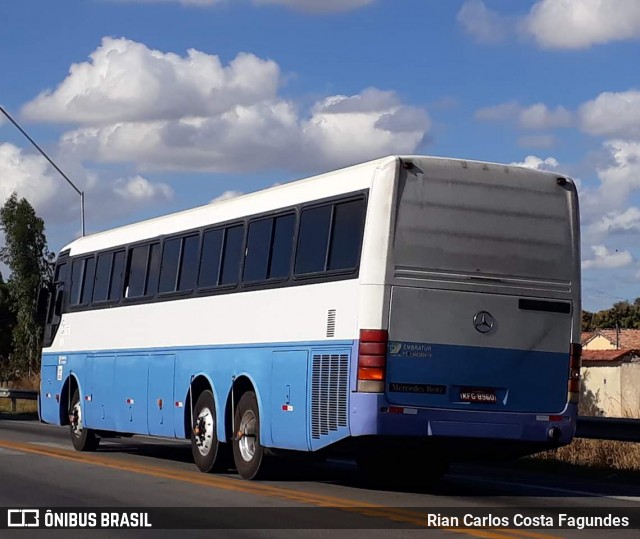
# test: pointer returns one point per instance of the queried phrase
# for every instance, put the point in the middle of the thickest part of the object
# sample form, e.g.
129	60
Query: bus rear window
477	225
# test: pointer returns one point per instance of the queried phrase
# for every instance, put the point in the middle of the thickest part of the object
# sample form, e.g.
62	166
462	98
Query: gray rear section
471	238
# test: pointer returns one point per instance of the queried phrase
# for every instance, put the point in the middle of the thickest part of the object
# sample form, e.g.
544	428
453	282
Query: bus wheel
83	439
248	454
204	440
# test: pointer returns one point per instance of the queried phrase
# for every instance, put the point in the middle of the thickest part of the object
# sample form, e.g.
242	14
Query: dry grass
597	454
22	407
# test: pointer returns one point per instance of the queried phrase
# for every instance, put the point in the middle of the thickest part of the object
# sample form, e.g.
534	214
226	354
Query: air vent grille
329	380
331	323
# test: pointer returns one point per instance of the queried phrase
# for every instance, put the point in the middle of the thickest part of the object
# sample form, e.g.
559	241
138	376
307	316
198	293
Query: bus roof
325	185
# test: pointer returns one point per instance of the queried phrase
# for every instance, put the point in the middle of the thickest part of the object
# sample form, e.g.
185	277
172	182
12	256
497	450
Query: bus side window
87	280
256	261
153	270
77	270
136	271
232	255
169	267
282	246
210	258
103	273
117	271
83	272
313	240
188	262
346	235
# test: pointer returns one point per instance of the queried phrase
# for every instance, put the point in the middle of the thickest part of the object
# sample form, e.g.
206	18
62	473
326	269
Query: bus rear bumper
371	414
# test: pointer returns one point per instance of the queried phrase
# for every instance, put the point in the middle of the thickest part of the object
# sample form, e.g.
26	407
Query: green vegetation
28	258
623	314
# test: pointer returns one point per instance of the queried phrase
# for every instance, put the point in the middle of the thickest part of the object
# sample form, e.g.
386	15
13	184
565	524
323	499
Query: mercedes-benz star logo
483	322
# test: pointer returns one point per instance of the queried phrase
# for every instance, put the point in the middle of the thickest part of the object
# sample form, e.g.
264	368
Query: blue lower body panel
305	393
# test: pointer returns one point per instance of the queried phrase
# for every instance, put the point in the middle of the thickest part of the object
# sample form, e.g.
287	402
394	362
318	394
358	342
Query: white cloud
31	177
483	24
619	176
193	113
627	220
536	163
612	114
578	24
226	196
125	80
539	116
140	189
604	258
534	117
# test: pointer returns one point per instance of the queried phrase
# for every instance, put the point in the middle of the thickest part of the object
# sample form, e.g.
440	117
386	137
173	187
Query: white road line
52	444
9	452
591	494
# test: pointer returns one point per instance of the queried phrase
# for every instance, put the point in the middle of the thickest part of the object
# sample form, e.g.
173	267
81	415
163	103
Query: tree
27	256
7	323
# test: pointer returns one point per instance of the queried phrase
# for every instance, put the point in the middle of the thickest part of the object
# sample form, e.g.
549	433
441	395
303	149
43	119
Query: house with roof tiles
611	339
611	373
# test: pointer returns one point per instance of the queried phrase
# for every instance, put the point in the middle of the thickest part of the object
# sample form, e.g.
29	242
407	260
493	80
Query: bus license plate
487	396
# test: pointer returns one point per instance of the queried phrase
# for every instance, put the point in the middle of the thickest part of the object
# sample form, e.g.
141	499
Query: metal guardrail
608	428
18	394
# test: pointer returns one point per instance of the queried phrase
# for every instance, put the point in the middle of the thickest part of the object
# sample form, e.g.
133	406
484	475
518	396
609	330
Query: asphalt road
39	468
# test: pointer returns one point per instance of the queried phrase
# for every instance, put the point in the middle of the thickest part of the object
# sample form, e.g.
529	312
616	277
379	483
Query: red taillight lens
372	360
575	361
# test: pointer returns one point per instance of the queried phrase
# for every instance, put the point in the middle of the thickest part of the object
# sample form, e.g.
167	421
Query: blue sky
153	106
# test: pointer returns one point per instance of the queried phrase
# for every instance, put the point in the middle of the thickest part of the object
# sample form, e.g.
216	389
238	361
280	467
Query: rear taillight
575	360
372	360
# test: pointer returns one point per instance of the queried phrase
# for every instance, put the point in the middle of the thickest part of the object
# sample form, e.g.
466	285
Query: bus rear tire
205	446
248	453
83	439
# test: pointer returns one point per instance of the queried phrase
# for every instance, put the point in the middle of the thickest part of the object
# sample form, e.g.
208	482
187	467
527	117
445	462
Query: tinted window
232	255
153	273
137	271
210	259
282	245
103	272
313	239
76	281
61	273
169	269
87	281
258	247
346	235
189	263
117	269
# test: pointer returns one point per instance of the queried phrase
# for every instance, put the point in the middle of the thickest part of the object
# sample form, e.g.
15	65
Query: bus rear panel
483	284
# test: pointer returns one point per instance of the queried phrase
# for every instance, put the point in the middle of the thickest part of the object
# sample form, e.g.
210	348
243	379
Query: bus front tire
248	453
204	439
83	439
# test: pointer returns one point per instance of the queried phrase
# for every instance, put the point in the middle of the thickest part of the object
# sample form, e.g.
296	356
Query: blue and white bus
406	311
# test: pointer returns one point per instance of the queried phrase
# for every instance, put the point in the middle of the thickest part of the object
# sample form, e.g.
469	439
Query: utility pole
81	193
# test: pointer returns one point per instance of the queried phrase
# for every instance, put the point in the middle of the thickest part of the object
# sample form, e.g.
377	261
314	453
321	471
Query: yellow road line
319	500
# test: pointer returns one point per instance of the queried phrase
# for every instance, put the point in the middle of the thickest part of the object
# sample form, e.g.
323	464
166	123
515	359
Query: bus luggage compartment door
477	351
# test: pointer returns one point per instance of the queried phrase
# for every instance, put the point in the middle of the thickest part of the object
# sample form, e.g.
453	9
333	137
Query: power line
81	193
